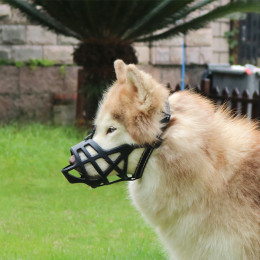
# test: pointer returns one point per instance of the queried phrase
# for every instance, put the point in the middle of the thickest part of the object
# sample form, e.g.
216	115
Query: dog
200	189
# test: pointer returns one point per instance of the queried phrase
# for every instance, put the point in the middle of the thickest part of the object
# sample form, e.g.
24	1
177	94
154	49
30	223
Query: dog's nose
72	160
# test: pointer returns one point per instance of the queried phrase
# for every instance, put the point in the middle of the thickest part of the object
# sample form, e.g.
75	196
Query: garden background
42	216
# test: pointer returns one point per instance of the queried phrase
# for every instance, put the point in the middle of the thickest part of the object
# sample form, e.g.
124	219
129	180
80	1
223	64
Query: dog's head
134	104
129	115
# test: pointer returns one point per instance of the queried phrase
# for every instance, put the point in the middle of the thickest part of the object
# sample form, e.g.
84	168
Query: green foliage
19	64
32	63
63	70
5	62
127	20
45	217
232	40
230	36
46	63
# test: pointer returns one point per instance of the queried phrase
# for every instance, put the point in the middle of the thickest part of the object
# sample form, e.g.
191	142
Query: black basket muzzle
116	159
83	158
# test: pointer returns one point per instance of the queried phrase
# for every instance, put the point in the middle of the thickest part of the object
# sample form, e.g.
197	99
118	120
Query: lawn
42	216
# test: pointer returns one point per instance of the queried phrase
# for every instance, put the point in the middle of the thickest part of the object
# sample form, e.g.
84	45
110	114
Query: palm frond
67	14
38	16
132	13
173	16
189	9
201	21
129	20
155	17
95	18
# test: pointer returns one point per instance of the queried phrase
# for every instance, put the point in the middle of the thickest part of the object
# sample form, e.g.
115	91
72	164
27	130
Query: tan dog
201	188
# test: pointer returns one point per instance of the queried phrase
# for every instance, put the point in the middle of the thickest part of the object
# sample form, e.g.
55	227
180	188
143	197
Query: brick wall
206	45
28	95
21	41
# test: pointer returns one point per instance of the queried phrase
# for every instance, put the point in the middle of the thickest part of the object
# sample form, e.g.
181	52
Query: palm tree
108	28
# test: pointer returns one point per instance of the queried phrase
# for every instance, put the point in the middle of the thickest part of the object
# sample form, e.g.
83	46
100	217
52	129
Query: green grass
42	216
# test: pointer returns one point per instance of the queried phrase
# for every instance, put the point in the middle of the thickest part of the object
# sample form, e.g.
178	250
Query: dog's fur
201	188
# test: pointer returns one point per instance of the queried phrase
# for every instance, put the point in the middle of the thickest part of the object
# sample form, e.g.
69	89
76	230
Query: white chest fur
183	232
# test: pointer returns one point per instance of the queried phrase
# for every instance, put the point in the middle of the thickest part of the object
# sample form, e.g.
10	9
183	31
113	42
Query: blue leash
183	66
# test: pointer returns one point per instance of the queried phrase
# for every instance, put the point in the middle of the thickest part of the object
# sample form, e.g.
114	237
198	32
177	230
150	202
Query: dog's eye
110	130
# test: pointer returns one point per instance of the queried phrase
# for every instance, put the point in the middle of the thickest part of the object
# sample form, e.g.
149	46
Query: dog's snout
72	160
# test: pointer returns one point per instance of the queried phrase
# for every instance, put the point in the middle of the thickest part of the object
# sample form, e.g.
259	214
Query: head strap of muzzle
123	151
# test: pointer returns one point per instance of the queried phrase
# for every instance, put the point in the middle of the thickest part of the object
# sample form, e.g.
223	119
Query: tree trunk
89	94
97	56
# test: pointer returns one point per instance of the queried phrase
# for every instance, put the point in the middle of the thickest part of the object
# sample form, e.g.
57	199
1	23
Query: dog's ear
120	69
139	82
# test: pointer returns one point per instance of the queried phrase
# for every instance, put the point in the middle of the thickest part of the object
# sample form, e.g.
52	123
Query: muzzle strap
142	163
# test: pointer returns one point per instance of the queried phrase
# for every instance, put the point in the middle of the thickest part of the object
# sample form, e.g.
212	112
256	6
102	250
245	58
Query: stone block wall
206	45
28	95
172	74
219	45
21	40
